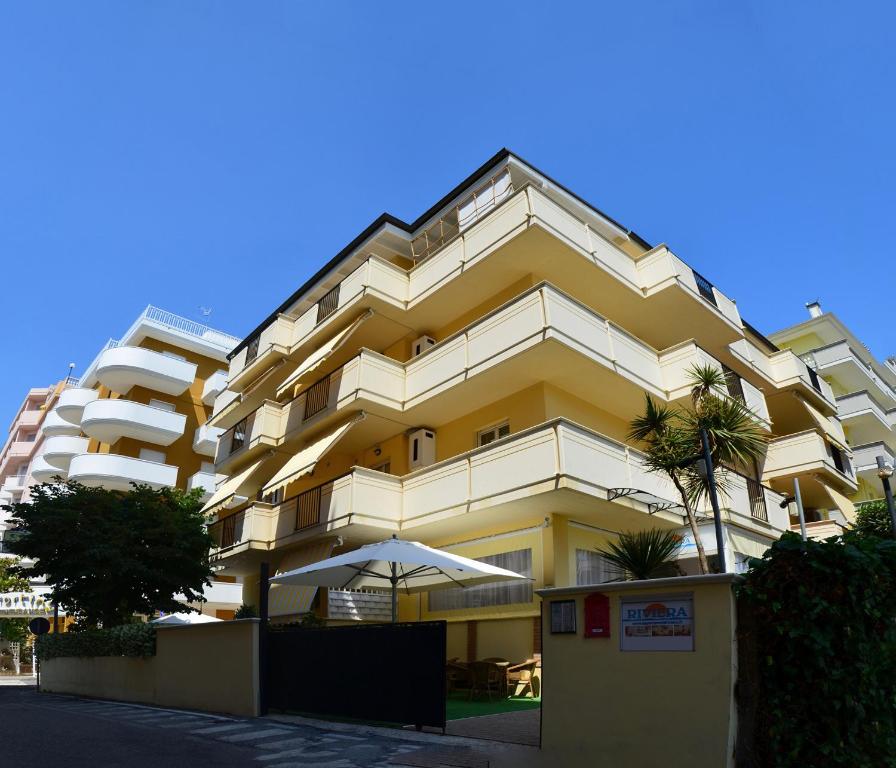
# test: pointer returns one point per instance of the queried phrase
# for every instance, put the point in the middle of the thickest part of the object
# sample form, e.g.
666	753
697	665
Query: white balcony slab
59	450
43	472
110	420
205	439
805	453
206	480
118	472
54	425
214	386
72	401
121	368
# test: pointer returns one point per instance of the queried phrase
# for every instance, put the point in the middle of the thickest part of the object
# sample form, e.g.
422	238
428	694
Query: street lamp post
885	472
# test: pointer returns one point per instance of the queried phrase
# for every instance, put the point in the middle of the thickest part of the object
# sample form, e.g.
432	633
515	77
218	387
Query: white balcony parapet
109	420
118	472
205	439
54	424
121	368
559	458
841	361
14	483
60	450
43	472
865	459
804	453
377	280
72	402
206	480
544	318
214	386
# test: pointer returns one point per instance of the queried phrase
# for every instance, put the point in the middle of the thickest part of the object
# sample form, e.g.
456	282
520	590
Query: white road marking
264	732
223	728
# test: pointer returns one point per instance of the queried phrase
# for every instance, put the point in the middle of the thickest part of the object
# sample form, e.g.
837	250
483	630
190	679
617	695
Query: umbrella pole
394	580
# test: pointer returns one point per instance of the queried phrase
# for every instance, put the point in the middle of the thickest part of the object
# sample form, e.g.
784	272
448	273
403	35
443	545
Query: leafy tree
873	519
672	439
644	554
108	554
14	630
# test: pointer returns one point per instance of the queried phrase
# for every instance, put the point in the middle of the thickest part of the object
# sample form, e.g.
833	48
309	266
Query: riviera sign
660	623
24	605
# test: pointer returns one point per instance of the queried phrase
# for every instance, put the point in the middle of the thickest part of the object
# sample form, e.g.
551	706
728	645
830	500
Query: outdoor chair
457	675
485	677
520	677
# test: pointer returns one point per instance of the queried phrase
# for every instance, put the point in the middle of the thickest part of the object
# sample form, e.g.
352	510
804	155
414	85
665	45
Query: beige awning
840	501
313	361
285	600
832	427
303	462
231	487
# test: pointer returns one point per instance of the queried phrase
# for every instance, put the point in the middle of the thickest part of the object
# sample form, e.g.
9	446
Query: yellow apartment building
467	380
864	388
138	415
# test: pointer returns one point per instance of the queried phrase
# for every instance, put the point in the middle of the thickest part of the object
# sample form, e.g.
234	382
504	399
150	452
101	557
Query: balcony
54	425
110	420
29	418
121	368
59	450
821	529
72	401
204	480
808	453
865	460
527	233
14	484
214	386
205	439
262	351
118	472
866	421
258	431
20	449
842	363
44	472
554	467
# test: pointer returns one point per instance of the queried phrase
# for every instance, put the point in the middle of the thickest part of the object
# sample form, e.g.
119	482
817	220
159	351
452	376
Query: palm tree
672	438
645	554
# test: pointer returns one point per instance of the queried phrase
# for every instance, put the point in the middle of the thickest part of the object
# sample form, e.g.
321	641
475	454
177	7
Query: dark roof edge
752	329
387	218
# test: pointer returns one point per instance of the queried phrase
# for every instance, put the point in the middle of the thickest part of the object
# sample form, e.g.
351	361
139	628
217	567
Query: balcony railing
317	396
328	304
705	287
225	533
756	494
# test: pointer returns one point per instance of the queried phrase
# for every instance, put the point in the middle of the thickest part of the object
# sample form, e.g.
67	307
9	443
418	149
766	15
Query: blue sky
167	152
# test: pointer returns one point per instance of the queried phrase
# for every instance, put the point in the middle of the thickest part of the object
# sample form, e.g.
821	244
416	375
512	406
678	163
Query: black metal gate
392	673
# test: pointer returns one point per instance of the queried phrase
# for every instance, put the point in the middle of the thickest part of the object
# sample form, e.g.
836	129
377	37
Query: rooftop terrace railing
182	324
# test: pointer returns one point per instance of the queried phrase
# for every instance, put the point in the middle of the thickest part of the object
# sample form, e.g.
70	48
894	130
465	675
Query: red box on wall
597	615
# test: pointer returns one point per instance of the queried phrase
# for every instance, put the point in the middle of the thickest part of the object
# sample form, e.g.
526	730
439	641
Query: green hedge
821	632
136	640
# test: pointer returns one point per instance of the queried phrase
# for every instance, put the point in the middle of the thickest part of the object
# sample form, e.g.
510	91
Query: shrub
873	519
134	640
822	640
245	612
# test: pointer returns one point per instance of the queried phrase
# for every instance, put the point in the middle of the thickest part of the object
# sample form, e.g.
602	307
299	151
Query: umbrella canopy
185	618
394	564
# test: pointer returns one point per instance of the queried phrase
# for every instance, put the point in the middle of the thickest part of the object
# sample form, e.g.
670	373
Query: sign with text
660	623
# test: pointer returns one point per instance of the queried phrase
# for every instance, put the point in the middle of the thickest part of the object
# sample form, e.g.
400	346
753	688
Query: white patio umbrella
185	618
396	564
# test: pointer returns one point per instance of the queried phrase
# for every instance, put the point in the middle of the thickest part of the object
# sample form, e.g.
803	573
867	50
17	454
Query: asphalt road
37	726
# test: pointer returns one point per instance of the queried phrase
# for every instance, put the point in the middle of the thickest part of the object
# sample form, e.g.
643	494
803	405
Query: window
162	404
29	437
148	454
487	436
385	467
238	438
483	595
594	568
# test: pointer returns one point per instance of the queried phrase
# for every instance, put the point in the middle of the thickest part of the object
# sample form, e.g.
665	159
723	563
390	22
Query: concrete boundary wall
604	704
211	667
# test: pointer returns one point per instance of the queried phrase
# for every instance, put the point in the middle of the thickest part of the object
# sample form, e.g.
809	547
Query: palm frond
706	381
644	554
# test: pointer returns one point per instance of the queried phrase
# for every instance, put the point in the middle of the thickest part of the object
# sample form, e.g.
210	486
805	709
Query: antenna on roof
206	311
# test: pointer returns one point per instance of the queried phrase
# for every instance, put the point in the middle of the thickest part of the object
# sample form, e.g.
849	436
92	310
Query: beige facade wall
186	671
605	706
